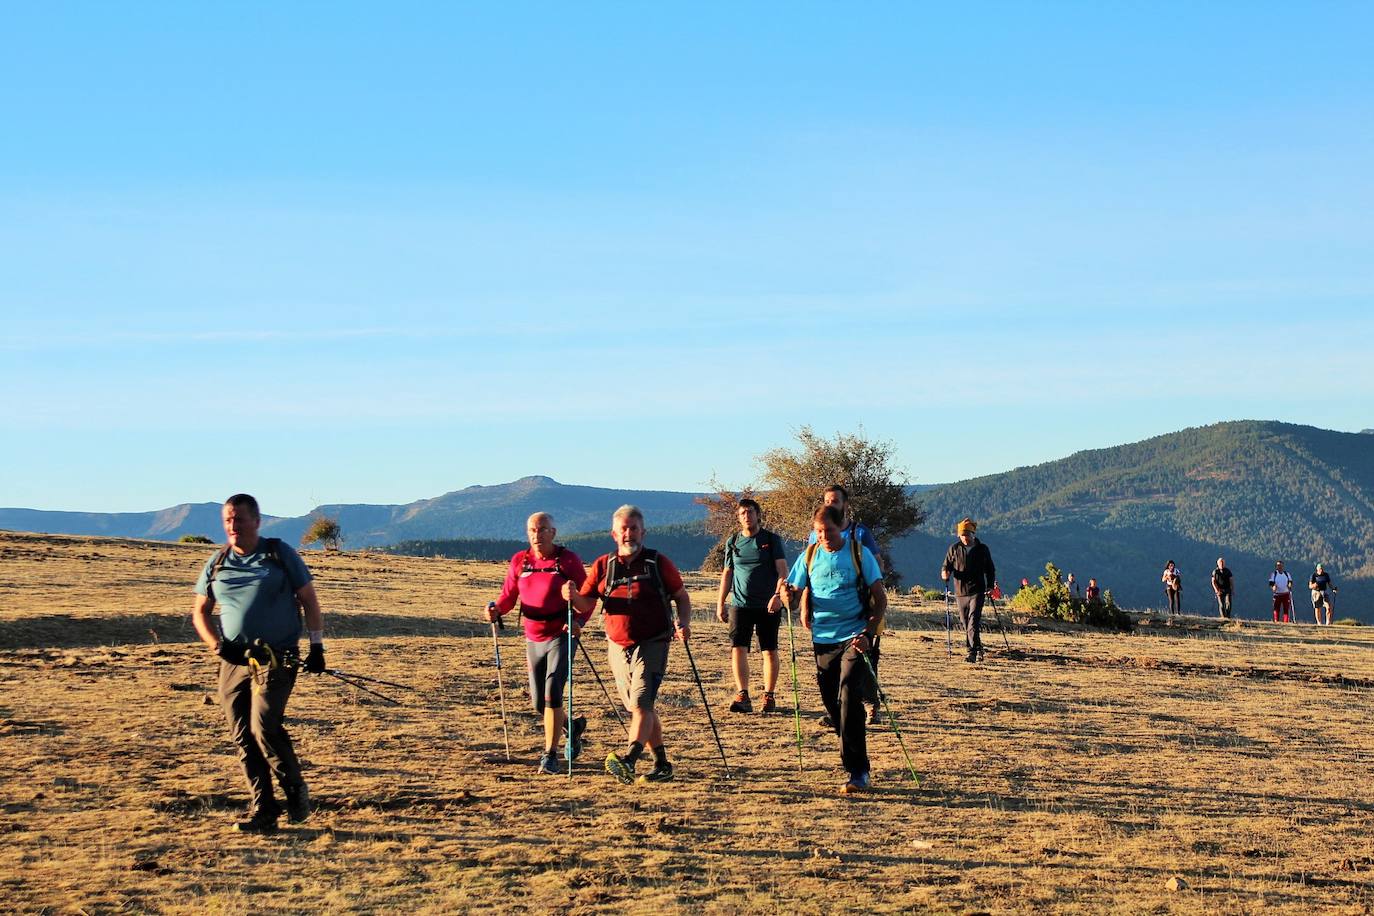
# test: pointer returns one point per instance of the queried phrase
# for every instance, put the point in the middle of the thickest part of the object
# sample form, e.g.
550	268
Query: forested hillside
1253	492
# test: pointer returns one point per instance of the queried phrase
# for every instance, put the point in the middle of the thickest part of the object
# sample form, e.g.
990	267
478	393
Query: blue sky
353	253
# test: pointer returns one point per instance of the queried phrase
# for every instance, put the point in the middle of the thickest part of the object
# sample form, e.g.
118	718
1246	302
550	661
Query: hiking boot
826	722
625	772
262	823
297	803
769	704
548	765
579	726
662	772
741	703
972	657
857	782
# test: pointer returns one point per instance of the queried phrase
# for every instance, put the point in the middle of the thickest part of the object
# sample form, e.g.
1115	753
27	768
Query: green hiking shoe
662	772
625	772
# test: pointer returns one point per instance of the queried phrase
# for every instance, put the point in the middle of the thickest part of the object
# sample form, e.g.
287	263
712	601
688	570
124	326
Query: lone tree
793	482
324	531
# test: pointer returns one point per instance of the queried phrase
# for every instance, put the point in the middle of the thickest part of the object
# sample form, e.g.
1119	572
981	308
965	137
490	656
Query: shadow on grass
72	631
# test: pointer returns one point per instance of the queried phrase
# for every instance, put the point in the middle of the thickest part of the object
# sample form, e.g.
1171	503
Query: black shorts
744	621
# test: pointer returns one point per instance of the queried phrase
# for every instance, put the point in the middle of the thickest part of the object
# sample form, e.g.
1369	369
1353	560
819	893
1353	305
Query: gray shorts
548	669
639	671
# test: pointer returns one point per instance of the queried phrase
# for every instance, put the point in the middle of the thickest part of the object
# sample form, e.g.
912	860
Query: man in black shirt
970	563
1221	585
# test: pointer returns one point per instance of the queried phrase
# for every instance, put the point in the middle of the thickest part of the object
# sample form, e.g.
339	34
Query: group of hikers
257	584
262	593
1281	585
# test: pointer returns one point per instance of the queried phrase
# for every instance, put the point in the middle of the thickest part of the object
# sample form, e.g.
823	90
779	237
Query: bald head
540	530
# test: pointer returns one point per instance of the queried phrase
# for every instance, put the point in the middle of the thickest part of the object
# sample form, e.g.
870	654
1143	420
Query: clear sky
334	252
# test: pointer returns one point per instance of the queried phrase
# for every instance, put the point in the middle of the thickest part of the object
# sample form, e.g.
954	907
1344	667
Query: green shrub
1051	599
194	539
1348	622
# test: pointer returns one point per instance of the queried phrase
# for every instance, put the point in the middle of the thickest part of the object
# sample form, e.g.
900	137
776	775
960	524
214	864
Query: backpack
528	567
855	554
612	582
272	547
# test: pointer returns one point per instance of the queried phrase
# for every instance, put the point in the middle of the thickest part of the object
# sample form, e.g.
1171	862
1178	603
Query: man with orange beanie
970	563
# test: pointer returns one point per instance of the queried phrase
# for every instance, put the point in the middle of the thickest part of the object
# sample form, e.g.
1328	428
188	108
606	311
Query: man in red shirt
637	588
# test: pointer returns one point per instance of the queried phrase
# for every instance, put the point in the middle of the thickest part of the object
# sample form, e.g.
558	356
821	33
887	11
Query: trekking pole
568	749
614	708
949	628
501	688
371	680
1005	643
796	688
348	679
686	644
887	707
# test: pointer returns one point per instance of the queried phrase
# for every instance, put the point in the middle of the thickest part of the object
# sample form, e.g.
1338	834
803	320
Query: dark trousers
1224	604
843	680
971	616
255	725
1173	594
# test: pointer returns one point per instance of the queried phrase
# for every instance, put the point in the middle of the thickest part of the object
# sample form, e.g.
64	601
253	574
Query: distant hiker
1025	583
836	495
1092	592
1281	584
755	561
969	562
1173	586
1072	584
1222	587
1322	590
637	587
536	578
842	603
257	583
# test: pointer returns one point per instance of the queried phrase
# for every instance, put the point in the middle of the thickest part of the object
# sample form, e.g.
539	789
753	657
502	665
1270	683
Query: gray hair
544	516
627	512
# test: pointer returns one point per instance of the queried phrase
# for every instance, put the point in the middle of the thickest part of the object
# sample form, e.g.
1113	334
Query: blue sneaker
548	765
858	782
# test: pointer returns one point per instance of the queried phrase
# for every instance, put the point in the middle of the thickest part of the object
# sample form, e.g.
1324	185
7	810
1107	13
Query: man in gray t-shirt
258	583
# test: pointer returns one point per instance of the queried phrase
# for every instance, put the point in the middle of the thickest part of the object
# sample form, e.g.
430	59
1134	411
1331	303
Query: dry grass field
1077	772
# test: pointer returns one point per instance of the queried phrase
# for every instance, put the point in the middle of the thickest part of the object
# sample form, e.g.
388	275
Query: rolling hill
1254	492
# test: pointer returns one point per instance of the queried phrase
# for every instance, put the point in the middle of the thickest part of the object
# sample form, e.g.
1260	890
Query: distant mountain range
474	512
1251	491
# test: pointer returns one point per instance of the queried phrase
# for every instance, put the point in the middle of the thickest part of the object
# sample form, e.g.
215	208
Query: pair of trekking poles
872	672
949	624
568	749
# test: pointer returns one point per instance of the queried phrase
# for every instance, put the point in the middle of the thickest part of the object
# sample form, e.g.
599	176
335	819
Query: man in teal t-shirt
833	609
258	583
755	560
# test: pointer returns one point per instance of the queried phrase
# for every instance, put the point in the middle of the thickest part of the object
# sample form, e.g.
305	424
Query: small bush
194	539
1347	622
1051	599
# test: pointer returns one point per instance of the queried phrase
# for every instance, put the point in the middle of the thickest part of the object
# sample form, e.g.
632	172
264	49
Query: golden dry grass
1079	772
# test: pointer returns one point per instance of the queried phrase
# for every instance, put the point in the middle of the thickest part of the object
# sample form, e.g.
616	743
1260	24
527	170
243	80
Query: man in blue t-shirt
755	561
836	495
257	583
833	609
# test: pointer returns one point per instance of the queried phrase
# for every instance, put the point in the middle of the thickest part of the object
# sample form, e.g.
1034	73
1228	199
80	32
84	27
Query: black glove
314	662
232	652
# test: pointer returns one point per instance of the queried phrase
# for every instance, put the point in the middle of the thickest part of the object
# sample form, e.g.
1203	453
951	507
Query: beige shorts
639	671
